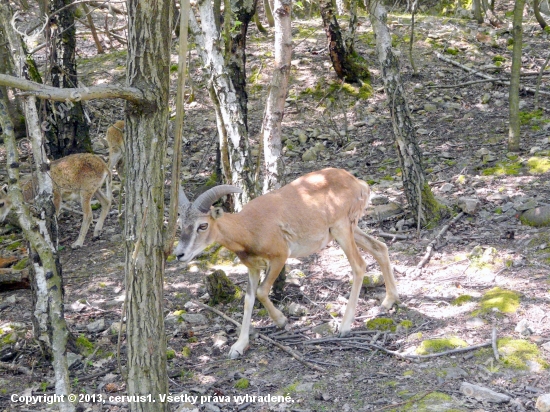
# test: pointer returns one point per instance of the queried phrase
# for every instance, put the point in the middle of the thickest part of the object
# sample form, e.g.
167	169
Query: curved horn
207	199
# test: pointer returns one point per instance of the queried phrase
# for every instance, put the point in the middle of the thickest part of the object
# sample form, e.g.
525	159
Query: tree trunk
274	110
513	131
243	13
538	16
233	136
50	328
347	65
268	14
147	68
417	190
476	8
69	130
14	107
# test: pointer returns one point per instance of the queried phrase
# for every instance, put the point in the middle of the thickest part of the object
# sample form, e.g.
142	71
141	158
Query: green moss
452	51
383	324
526	117
505	301
263	313
433	210
506	168
538	165
242	383
290	389
173	68
170	354
407	324
462	300
85	347
440	345
22	264
14	245
186	352
499	58
171	258
516	352
408	373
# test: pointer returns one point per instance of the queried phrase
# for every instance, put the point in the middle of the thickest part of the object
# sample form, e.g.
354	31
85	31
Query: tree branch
77	94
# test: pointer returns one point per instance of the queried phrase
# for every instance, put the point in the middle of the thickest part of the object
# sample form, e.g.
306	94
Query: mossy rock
242	383
520	354
538	217
373	279
221	289
440	345
505	301
462	300
383	324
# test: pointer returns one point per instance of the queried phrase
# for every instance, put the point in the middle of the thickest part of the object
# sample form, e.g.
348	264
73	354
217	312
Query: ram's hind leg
345	239
379	251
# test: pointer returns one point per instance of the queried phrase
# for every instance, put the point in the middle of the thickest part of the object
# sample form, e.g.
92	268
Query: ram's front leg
239	347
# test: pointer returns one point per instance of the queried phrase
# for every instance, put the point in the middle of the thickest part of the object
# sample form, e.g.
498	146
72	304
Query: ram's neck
232	233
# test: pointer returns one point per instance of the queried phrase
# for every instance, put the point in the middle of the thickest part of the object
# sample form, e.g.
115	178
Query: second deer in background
115	141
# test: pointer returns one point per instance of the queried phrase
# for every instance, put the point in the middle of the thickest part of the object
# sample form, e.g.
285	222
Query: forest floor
488	272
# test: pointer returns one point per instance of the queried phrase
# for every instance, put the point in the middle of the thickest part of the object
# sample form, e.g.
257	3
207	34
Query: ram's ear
216	212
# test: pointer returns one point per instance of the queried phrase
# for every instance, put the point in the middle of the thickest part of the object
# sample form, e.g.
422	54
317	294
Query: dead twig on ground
431	245
15	368
295	355
494	343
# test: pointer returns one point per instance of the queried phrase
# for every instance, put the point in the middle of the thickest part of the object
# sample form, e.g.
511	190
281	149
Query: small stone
447	187
310	155
97	326
429	107
324	329
194	318
73	358
529	204
302	138
483	394
468	205
524	327
485	98
295	309
546	346
543	403
377	200
475	323
454	373
482	152
384	211
535	149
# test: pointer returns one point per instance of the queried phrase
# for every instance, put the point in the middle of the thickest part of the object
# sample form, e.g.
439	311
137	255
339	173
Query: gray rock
483	394
210	407
377	200
73	358
528	204
302	138
382	212
468	205
543	403
538	217
454	373
507	206
482	152
324	329
295	309
475	323
486	98
546	346
447	187
429	107
97	326
524	327
309	155
194	318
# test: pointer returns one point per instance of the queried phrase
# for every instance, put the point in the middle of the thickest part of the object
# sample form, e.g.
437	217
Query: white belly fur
309	246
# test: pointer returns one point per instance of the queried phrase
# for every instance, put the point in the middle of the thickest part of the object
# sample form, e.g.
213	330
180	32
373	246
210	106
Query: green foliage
538	165
526	117
186	352
451	50
22	264
170	354
290	389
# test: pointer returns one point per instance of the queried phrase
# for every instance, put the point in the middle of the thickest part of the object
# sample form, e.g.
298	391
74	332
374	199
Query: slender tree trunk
417	190
343	59
14	105
538	16
147	68
69	127
513	131
235	136
50	328
92	28
476	7
268	14
274	110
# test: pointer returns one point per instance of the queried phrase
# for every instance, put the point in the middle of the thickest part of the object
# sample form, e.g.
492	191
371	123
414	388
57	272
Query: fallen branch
397	236
418	357
486	76
430	248
15	368
494	343
295	355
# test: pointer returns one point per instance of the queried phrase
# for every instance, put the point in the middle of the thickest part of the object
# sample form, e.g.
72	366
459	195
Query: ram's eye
203	227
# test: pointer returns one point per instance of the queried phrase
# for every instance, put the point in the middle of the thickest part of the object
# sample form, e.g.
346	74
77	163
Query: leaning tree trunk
14	105
514	129
347	65
50	328
274	110
239	172
417	190
538	16
68	127
147	68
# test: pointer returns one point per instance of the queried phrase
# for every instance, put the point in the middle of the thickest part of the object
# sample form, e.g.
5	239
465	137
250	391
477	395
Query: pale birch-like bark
241	168
49	323
274	110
